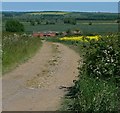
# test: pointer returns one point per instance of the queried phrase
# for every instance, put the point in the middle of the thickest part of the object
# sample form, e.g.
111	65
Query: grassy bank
17	48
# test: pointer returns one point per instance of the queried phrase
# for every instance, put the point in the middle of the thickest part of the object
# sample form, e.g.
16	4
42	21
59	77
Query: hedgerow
97	89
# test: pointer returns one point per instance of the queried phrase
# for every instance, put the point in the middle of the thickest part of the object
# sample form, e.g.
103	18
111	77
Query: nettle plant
102	59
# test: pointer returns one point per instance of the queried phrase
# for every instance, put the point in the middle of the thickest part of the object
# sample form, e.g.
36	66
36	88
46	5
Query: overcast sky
61	6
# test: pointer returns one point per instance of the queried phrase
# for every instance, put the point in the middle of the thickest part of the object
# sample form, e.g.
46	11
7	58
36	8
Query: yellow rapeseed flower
80	38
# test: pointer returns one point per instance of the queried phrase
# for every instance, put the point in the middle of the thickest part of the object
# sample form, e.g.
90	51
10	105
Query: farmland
97	27
49	21
47	13
82	68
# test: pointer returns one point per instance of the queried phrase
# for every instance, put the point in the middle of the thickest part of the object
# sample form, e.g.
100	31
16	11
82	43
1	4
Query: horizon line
56	11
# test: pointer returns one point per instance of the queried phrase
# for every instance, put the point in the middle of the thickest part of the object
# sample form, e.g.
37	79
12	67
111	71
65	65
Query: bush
14	26
90	23
97	89
93	95
38	22
103	58
32	22
70	21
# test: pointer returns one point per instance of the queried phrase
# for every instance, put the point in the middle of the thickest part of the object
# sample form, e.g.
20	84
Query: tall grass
17	48
91	95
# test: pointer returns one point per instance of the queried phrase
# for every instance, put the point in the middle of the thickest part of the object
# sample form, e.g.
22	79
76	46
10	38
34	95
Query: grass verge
17	48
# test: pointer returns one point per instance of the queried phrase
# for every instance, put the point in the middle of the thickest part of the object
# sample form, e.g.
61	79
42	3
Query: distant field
48	13
97	21
99	28
102	23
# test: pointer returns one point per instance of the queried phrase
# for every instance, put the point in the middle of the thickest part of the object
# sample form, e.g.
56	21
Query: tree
73	21
38	22
66	21
117	21
14	26
47	22
69	32
78	32
90	23
70	21
32	23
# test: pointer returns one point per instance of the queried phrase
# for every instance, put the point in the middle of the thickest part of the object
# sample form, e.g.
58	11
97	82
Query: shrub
97	89
32	23
93	95
70	21
103	58
14	26
90	23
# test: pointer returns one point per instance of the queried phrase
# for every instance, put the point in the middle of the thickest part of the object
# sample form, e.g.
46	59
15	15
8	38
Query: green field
47	13
98	28
102	23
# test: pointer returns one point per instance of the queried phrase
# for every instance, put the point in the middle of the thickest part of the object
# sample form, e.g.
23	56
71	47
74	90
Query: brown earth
37	84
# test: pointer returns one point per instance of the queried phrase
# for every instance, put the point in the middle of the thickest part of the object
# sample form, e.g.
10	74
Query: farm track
39	84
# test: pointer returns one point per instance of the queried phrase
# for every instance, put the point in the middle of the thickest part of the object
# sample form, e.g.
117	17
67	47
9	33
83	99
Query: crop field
48	13
98	28
81	38
55	21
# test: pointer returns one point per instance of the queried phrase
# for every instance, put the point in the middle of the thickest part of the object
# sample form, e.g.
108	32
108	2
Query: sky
61	6
60	0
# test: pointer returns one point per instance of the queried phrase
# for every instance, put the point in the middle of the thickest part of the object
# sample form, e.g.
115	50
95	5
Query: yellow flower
80	38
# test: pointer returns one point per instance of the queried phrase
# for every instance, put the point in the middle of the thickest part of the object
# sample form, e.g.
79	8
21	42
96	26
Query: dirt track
37	84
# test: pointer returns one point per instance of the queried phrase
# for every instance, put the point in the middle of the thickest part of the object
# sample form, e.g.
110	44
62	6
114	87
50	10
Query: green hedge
97	89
